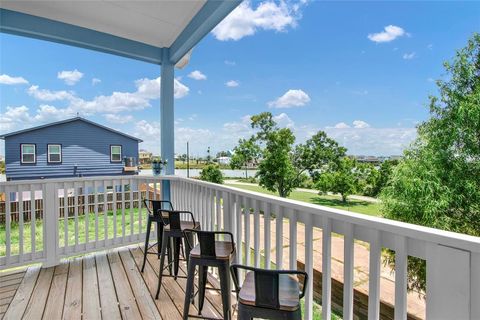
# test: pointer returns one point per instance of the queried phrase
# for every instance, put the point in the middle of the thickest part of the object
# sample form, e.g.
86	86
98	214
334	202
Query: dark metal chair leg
147	239
176	256
224	273
159	229
169	256
202	283
188	290
162	262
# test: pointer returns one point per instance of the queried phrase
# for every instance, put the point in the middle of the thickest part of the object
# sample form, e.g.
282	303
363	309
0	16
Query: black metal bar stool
209	253
269	294
154	216
173	229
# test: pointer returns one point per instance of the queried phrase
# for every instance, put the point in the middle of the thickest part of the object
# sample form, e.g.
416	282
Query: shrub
212	173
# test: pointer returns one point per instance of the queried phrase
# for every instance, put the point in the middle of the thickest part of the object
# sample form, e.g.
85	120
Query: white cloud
284	121
197	75
96	81
409	56
359	124
390	33
230	63
70	77
268	15
150	88
341	125
292	98
48	95
232	83
120	119
6	79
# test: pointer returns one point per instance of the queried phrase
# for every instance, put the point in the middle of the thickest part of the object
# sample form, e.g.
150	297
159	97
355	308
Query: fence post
448	283
50	225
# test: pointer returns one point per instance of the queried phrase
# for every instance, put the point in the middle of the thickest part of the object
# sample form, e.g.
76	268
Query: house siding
85	151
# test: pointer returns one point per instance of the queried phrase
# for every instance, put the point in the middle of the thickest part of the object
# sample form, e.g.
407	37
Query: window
116	153
27	153
54	153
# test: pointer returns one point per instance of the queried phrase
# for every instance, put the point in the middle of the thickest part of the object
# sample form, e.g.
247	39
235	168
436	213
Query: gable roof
67	121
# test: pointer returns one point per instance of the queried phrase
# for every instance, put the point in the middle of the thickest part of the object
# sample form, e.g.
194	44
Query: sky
361	71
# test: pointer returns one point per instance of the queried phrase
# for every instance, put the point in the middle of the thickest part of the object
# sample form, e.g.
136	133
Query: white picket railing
453	260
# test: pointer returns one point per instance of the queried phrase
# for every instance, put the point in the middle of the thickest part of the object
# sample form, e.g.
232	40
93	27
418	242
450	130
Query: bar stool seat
224	251
287	296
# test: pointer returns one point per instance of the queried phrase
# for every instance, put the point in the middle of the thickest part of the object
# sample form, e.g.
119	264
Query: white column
167	137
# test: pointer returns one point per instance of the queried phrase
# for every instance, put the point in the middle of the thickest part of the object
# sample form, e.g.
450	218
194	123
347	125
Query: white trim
48	152
34	153
111	153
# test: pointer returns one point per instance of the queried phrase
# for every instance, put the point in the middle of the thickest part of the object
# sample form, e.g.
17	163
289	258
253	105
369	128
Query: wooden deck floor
106	285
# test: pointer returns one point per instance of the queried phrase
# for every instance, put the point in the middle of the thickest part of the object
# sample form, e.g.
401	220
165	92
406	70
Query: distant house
144	157
224	160
69	148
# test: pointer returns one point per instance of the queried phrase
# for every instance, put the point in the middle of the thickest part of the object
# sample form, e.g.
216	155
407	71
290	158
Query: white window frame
111	153
34	153
48	152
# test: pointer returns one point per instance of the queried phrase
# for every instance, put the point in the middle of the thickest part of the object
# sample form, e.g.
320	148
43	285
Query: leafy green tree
211	173
438	182
377	179
342	177
283	166
246	152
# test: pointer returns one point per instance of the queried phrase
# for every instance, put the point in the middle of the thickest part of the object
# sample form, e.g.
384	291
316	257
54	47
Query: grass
15	230
353	205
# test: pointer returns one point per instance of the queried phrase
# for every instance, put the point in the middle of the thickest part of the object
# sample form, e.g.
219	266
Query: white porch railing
106	212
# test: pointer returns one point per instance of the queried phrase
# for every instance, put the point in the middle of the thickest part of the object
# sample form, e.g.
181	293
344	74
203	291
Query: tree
211	173
222	154
342	177
438	182
246	151
377	179
283	166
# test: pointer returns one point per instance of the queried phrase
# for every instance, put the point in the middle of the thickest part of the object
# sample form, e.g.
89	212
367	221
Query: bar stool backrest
172	218
153	206
266	289
207	244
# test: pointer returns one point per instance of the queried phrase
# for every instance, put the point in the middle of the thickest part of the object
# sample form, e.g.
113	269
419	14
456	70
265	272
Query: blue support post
167	119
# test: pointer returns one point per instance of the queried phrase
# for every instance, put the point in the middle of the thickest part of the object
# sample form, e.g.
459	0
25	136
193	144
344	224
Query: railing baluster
32	222
105	212
122	190
238	210
247	231
95	208
131	208
348	247
20	222
219	210
75	211
256	233
279	236
309	266
140	204
65	215
267	233
401	278
326	268
8	229
374	277
86	211
114	209
293	240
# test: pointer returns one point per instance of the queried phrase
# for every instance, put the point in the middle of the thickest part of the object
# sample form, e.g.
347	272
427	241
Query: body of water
193	173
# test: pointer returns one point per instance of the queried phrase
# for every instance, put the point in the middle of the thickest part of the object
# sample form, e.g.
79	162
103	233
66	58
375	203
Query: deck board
104	285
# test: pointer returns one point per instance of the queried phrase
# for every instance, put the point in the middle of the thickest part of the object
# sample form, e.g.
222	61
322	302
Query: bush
211	173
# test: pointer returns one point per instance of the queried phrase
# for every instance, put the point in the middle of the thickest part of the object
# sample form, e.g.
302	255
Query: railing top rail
452	239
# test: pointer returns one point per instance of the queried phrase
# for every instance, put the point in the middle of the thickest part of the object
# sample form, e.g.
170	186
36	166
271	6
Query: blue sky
362	71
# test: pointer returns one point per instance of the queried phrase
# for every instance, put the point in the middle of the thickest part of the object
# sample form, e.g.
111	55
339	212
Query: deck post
50	225
167	137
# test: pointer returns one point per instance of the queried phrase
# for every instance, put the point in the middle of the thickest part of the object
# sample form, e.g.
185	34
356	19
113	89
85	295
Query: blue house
70	148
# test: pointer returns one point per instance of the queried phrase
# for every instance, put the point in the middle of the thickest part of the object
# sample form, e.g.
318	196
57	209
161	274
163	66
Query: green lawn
359	206
15	230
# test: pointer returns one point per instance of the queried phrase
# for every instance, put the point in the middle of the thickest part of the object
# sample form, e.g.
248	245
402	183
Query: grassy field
15	230
353	205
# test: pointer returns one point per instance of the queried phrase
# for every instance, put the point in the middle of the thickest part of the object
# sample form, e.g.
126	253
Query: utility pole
188	162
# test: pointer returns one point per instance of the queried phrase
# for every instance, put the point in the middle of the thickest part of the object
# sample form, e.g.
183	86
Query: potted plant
158	165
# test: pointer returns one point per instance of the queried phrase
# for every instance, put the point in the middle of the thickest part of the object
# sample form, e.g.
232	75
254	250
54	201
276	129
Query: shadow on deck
103	285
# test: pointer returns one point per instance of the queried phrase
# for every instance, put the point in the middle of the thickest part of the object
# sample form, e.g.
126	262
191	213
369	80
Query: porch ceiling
157	23
138	29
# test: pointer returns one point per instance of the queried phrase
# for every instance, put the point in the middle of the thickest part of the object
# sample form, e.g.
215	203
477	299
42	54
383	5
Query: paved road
356	197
